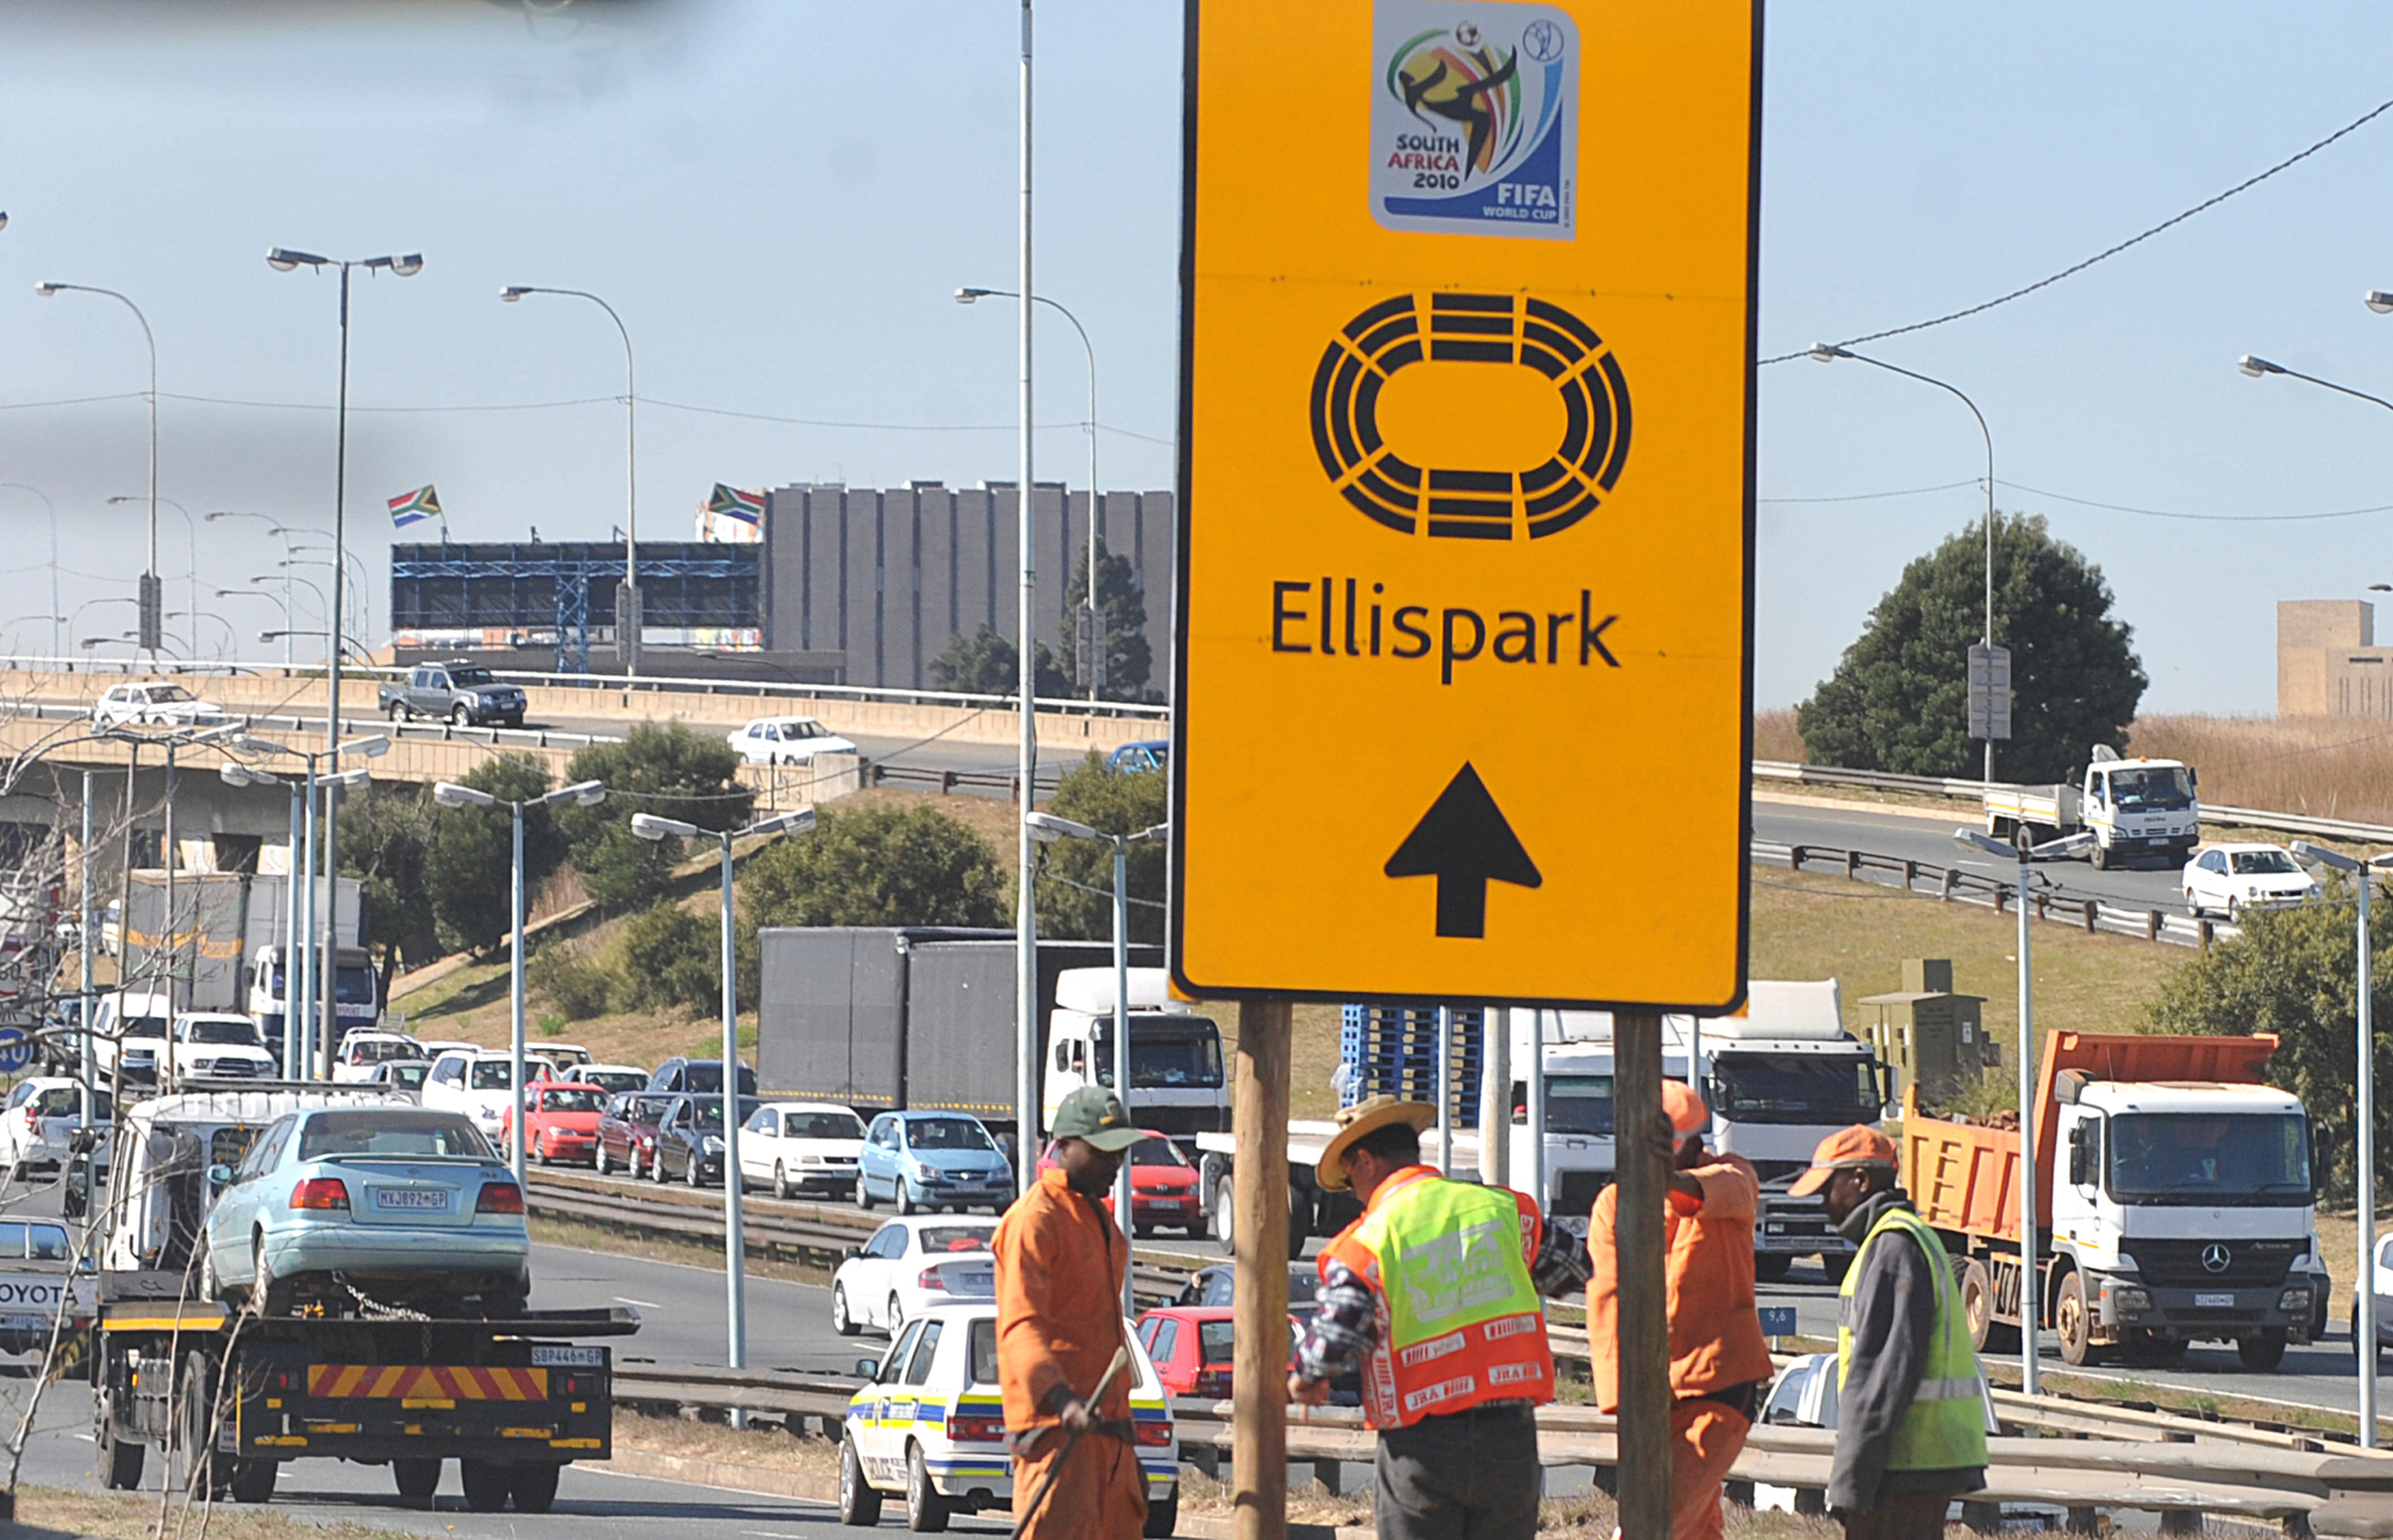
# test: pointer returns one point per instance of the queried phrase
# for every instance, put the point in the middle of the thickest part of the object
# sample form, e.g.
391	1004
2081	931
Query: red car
1163	1187
1193	1347
563	1123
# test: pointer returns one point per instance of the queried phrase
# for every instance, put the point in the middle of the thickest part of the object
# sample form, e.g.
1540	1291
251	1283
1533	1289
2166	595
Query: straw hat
1360	1121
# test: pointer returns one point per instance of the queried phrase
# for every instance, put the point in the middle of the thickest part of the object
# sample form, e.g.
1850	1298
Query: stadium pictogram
1470	503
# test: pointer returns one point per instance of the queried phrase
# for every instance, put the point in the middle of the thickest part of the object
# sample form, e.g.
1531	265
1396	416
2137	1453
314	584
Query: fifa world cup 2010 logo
1470	503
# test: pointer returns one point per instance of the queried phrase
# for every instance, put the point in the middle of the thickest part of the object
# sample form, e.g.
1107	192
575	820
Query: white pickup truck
2133	807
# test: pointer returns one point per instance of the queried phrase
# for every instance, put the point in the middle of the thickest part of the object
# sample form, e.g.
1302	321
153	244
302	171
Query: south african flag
731	503
409	507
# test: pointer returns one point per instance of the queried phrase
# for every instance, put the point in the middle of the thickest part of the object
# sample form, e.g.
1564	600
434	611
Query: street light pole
627	605
2031	1296
1095	622
1828	352
735	1248
2363	1341
1025	924
153	601
582	794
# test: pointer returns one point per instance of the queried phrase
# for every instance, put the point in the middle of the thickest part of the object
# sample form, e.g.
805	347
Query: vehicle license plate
547	1357
2213	1301
25	1323
419	1198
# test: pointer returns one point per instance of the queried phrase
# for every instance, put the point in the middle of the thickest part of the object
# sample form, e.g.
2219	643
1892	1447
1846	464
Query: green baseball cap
1095	1114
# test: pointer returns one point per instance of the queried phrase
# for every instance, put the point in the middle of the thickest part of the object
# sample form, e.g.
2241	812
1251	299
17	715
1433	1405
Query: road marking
643	1304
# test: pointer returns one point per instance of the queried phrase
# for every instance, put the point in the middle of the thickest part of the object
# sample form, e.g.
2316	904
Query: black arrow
1464	843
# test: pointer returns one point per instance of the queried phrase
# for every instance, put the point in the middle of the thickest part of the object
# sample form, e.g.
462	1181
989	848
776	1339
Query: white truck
2133	807
1177	1084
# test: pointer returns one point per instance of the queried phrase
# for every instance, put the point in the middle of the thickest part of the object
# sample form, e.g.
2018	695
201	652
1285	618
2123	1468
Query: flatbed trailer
512	1399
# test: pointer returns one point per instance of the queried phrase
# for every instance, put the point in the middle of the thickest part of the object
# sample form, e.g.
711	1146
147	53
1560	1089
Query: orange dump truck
2173	1200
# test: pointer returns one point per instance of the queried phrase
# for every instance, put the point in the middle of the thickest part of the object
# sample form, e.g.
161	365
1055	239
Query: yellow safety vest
1944	1428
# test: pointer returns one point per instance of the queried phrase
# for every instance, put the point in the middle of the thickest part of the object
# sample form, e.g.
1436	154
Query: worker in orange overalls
1060	1263
1719	1362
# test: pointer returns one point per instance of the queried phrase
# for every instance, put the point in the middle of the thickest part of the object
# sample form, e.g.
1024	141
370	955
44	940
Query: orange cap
1688	1113
1843	1151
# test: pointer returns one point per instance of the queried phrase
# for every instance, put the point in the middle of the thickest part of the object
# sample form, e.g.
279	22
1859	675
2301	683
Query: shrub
471	857
877	866
668	770
577	984
1075	877
668	956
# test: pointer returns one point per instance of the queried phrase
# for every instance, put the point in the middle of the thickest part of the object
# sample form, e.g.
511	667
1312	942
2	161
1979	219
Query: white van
132	1027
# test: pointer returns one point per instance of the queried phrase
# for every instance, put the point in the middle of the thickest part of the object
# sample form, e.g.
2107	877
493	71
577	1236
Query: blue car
402	1205
931	1160
1133	758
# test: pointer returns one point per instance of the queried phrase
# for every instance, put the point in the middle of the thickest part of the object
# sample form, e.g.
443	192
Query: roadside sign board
1464	602
16	1051
1989	692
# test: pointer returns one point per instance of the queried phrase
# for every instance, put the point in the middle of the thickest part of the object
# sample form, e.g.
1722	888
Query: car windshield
145	1026
167	695
384	1133
353	984
243	1034
617	1079
2151	787
470	677
40	1242
1163	1054
493	1074
2263	863
822	1125
707	1074
804	727
709	1110
373	1050
947	1133
1577	1103
1156	1152
2213	1159
404	1072
955	1237
1752	1088
67	1101
572	1100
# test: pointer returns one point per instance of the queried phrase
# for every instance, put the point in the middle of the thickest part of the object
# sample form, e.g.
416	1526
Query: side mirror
868	1368
852	1253
219	1175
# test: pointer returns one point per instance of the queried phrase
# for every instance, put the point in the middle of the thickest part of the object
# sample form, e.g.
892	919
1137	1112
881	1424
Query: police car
930	1428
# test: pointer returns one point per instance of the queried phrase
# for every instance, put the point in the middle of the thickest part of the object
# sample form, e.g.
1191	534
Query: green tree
877	866
667	770
386	843
2290	973
668	956
1128	659
1898	699
1075	877
982	662
470	863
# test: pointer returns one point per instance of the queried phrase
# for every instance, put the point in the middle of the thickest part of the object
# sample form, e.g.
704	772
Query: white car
787	740
361	1050
128	1032
930	1428
794	1146
614	1078
564	1056
475	1082
217	1045
43	1112
2230	879
434	1047
155	704
909	1265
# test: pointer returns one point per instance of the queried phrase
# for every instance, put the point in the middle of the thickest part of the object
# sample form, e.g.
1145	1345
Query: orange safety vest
1460	1320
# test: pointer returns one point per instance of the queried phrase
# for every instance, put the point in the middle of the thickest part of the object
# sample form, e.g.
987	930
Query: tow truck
229	1397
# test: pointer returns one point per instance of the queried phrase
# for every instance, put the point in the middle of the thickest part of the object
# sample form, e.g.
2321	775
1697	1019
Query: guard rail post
1950	876
1852	865
1794	857
2151	924
2093	913
1910	874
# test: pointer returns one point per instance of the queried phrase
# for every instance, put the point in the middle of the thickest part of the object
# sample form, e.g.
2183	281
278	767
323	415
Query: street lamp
1823	352
1095	623
152	622
2031	1297
2258	368
627	604
282	260
581	794
304	974
648	825
2363	1344
1046	828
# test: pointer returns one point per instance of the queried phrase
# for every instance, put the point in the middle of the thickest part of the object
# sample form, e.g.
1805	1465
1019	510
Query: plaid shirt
1346	1324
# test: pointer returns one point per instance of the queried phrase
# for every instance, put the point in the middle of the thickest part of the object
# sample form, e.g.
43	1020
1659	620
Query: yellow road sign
1466	504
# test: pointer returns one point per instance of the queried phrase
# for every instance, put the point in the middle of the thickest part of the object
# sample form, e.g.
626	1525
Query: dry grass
1775	737
46	1511
2326	767
762	1444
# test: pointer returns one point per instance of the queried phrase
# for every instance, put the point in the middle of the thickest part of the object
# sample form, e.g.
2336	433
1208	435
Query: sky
781	196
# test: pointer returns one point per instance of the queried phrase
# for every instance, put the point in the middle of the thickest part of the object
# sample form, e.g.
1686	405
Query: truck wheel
860	1505
2262	1352
252	1481
926	1511
2101	856
2074	1320
1225	1210
416	1480
398	711
120	1462
1977	1302
200	1473
535	1487
486	1483
459	716
1772	1267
